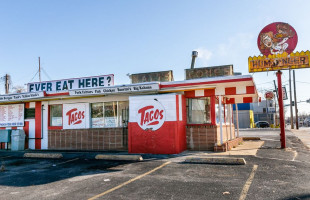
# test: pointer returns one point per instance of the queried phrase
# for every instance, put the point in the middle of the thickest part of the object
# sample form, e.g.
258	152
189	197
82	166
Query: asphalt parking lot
272	173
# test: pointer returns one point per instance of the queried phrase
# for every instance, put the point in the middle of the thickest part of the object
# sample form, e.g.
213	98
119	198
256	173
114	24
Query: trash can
17	140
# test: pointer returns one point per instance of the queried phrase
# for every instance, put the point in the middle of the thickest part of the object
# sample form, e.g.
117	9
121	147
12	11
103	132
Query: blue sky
77	38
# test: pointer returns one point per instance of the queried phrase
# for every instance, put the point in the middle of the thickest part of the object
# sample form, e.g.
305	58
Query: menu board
11	115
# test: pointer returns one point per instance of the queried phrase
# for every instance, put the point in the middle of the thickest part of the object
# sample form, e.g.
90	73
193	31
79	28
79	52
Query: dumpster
18	140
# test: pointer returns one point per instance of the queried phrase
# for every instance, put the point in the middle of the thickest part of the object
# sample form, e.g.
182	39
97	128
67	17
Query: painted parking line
67	161
130	181
248	183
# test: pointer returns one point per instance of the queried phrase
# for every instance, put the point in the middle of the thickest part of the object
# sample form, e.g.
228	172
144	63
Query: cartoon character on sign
152	116
75	116
277	38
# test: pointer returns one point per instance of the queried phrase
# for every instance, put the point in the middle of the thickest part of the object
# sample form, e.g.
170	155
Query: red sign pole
281	110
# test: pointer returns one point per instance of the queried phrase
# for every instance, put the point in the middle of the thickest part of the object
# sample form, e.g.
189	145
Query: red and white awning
234	89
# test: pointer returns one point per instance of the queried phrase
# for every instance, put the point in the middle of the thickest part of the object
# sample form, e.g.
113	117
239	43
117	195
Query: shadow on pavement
28	172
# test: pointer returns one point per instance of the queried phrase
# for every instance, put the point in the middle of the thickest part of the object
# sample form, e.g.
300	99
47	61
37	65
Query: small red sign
277	38
269	95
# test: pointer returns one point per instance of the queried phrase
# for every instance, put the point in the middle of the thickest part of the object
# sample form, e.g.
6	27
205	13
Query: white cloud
204	55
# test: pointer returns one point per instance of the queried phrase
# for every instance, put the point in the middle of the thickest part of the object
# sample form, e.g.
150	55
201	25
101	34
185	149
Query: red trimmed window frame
212	110
49	118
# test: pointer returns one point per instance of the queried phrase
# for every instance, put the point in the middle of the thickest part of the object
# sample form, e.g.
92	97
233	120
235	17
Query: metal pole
7	81
237	119
194	55
275	101
291	107
281	110
220	118
295	99
39	70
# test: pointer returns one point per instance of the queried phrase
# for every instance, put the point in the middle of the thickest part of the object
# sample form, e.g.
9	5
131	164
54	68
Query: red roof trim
56	94
205	82
230	91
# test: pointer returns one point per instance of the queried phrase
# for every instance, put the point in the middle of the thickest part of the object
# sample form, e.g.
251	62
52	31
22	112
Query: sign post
277	42
281	110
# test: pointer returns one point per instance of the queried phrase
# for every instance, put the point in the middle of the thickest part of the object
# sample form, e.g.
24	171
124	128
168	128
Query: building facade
149	117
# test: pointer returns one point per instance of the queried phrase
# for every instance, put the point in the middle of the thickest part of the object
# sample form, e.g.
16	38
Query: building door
125	118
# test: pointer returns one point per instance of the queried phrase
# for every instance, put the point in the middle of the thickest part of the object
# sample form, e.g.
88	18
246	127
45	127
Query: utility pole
7	83
291	107
39	70
295	99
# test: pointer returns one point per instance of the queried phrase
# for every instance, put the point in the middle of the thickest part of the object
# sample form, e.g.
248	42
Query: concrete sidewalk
303	134
245	149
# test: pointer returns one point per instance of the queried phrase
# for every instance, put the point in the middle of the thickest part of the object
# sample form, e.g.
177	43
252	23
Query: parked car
262	124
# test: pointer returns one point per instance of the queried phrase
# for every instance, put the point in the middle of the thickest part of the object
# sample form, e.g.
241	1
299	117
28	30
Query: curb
43	155
119	157
217	160
251	138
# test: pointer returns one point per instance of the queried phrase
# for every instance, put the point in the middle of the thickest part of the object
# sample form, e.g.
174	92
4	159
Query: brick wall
204	137
88	139
199	137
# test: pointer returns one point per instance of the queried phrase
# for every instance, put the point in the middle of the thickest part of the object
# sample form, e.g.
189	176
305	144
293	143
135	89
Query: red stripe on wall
177	106
26	129
213	116
250	89
190	94
230	91
209	92
247	100
38	125
230	101
206	82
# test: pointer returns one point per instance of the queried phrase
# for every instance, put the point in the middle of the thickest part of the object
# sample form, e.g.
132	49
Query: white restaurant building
92	113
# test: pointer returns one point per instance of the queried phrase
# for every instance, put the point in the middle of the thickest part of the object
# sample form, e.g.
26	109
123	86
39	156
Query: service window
198	110
55	115
97	115
110	114
30	113
123	113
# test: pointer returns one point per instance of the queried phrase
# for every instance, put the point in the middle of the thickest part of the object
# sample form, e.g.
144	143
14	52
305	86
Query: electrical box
5	136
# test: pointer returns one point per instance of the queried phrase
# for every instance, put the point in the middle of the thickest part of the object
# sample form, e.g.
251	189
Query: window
217	111
123	113
199	110
55	115
97	115
30	113
109	114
